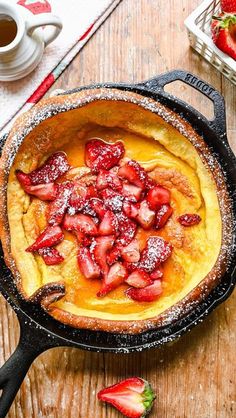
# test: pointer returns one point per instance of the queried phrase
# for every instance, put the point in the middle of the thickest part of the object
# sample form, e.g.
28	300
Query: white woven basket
198	25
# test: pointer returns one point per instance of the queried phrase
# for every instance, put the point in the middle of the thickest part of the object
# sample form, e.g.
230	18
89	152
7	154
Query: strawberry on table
133	397
51	236
223	28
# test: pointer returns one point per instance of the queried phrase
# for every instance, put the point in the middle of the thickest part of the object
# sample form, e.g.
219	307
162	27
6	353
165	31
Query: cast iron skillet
39	331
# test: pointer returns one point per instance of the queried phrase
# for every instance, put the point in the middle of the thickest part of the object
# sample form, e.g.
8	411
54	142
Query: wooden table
194	377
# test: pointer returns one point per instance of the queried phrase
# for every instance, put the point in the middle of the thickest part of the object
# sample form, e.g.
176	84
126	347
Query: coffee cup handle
45	19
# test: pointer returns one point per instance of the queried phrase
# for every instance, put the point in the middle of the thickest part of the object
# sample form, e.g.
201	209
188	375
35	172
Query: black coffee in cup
8	30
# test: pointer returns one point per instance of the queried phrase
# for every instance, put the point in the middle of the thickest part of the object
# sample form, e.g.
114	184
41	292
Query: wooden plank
194	377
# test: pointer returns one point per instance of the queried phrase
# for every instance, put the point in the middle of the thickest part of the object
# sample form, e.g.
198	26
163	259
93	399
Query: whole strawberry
223	28
133	397
228	6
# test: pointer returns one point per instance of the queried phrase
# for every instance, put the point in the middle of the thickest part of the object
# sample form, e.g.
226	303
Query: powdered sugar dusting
49	109
156	252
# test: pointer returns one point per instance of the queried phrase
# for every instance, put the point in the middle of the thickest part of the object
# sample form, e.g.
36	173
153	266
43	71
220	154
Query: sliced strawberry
139	279
156	252
98	206
133	397
57	208
100	249
46	191
157	273
77	206
88	210
162	215
131	192
146	294
100	155
81	196
93	149
115	276
23	179
87	265
53	168
92	191
134	173
113	255
131	252
131	266
189	219
81	239
130	209
78	197
127	229
51	256
76	203
158	196
51	236
109	224
150	183
80	222
108	179
146	216
112	199
80	191
86	241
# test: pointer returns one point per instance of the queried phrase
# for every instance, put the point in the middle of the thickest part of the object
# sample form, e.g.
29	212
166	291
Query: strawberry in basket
223	28
228	6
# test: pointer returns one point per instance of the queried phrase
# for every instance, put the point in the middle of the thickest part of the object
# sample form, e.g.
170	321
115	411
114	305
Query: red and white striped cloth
80	19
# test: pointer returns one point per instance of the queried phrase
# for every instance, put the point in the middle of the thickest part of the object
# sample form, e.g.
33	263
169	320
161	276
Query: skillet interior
103	341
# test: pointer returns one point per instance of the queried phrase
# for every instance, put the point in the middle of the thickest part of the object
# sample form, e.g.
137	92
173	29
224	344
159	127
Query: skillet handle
12	373
218	124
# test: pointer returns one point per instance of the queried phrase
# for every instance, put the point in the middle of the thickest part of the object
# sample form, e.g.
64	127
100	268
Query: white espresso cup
22	49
